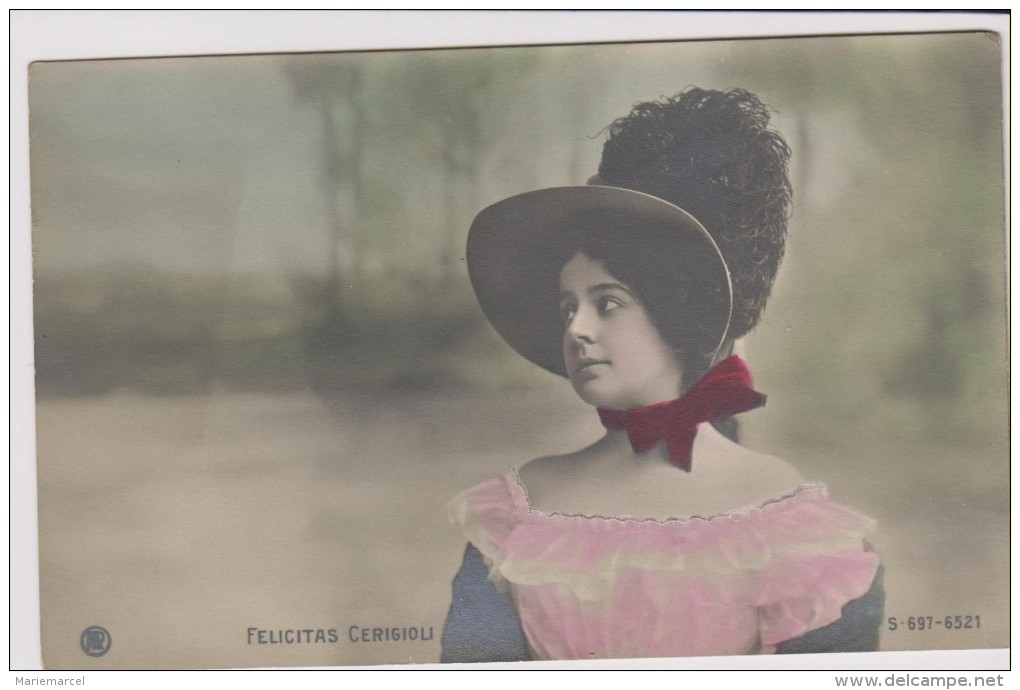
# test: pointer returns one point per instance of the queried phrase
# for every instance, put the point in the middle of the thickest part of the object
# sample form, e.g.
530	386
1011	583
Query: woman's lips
587	364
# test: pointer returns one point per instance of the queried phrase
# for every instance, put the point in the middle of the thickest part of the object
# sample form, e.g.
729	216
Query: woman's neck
614	449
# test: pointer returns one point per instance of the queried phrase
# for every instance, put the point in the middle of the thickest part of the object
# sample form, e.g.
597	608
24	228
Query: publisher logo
95	641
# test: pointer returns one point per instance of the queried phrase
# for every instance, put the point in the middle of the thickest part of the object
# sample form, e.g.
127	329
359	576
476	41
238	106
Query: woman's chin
601	393
598	394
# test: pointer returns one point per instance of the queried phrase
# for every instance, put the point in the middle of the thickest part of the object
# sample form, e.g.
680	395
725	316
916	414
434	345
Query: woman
664	537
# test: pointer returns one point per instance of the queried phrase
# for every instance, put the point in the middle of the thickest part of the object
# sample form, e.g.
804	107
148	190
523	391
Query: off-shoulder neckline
519	494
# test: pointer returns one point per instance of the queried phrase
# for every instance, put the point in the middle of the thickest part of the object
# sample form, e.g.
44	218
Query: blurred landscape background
261	371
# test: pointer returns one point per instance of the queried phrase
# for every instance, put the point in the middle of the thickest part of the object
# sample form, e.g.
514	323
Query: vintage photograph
628	349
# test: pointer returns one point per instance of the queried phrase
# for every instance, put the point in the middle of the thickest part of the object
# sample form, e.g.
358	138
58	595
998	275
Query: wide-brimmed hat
517	247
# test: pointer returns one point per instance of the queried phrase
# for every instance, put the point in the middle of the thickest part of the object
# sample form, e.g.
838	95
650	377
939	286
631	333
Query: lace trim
529	507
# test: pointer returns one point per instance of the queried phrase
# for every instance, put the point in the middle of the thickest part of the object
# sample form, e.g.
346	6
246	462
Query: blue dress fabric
483	624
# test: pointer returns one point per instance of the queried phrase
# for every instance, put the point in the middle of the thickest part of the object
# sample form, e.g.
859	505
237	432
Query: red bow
724	390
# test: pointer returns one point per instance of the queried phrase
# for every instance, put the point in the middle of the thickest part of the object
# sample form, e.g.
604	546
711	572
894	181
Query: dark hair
711	153
676	278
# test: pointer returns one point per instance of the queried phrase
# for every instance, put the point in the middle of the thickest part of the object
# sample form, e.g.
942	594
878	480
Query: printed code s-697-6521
952	622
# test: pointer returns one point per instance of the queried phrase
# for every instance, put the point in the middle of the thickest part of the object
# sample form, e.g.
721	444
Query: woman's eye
608	304
567	313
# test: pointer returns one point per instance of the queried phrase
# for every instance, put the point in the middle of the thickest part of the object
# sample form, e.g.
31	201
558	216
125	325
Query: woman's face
613	353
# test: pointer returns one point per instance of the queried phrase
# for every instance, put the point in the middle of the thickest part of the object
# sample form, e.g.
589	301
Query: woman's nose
583	326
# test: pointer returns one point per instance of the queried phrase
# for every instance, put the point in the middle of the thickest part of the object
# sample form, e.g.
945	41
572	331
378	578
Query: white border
58	35
61	35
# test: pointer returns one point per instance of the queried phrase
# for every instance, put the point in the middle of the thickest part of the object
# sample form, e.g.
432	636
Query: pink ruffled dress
735	583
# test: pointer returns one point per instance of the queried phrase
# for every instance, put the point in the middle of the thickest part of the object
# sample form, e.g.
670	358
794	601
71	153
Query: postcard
303	321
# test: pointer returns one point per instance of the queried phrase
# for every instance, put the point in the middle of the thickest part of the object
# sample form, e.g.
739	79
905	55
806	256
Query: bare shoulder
750	471
773	472
771	476
552	479
550	470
